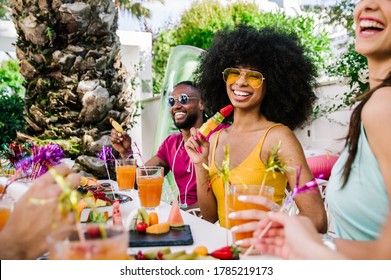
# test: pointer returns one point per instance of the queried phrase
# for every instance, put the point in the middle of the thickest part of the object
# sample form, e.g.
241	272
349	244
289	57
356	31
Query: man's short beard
188	123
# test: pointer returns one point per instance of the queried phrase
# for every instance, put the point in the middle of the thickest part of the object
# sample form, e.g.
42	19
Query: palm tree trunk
69	56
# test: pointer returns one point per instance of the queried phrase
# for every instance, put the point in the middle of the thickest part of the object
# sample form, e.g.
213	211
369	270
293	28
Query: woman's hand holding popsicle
197	149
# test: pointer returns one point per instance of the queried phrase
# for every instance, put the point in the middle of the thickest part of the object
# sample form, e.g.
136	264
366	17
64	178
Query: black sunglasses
183	99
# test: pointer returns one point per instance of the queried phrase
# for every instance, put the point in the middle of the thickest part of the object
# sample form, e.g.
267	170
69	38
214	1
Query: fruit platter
97	196
145	229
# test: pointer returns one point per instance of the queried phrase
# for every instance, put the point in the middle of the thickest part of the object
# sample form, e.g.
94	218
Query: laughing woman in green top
359	190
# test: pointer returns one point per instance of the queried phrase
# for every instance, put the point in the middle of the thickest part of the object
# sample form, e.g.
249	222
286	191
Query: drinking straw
141	158
107	151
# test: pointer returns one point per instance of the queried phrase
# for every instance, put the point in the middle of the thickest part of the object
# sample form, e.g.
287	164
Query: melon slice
158	228
175	218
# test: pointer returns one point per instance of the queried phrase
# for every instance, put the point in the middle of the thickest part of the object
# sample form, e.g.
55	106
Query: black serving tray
175	237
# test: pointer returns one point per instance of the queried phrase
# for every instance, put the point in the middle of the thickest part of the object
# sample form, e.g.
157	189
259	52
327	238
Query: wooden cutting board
175	237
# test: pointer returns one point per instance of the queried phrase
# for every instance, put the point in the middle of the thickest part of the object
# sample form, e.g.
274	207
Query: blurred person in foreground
25	232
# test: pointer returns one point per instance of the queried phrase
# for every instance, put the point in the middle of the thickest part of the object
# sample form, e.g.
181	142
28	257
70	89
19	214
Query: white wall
143	132
325	132
136	49
7	39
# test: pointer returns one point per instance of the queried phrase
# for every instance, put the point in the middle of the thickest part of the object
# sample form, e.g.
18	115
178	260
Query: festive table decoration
30	161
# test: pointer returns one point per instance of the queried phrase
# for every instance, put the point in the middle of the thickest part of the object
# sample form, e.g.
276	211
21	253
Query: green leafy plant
11	81
353	69
350	68
4	4
11	117
11	101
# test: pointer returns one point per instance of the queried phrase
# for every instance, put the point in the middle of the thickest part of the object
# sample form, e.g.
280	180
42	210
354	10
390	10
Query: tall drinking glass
149	183
126	173
235	205
88	242
6	205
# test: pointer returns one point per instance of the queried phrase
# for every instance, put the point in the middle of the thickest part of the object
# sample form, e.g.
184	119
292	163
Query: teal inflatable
181	64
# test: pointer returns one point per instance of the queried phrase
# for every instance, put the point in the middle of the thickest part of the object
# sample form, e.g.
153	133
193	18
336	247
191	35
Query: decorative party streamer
106	154
40	160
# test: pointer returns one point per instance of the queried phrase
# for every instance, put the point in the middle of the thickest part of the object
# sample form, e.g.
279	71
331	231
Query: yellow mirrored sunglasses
253	78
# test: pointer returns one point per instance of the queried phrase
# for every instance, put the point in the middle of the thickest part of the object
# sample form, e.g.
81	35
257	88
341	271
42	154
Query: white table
204	233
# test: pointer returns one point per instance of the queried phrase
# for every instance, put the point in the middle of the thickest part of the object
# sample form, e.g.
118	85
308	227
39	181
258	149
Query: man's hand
121	142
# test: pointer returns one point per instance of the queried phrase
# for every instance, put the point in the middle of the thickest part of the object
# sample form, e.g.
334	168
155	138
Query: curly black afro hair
289	75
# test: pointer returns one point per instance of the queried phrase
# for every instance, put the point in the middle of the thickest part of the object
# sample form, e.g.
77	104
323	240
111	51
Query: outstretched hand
30	223
291	237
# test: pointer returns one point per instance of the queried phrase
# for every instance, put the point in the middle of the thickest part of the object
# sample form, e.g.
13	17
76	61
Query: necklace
190	169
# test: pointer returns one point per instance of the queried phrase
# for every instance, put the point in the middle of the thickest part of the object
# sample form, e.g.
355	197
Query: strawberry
226	253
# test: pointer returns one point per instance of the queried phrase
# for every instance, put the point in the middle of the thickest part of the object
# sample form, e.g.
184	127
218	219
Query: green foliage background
4	4
351	67
200	22
351	63
11	101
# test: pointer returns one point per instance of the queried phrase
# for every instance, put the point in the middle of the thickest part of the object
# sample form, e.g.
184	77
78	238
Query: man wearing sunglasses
187	111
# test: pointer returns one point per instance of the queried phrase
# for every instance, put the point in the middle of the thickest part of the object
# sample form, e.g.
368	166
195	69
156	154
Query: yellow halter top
251	171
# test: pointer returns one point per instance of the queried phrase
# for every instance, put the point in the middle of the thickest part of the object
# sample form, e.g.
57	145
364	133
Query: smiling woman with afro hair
270	82
289	74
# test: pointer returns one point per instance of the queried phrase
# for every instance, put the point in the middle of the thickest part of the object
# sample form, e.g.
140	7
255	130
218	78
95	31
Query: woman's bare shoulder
284	137
378	107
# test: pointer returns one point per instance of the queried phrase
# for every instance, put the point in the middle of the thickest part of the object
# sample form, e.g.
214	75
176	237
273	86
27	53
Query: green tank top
251	171
360	208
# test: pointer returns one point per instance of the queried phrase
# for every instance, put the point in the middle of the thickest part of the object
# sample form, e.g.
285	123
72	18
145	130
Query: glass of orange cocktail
88	242
235	205
6	205
149	183
126	173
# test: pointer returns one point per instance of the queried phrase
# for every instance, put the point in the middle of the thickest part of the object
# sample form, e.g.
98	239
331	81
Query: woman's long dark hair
354	128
